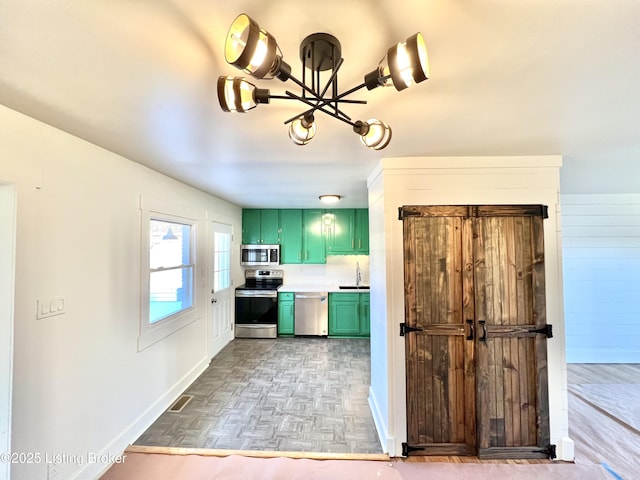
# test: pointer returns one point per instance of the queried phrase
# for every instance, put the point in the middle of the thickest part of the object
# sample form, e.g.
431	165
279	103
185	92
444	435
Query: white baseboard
119	444
565	449
387	443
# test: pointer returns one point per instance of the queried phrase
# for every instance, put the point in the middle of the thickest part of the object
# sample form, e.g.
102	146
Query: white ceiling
507	78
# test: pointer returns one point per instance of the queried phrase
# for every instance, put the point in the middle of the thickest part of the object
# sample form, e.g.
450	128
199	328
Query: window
168	270
221	266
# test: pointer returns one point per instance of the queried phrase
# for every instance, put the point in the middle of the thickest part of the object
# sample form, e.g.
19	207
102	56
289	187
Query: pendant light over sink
255	51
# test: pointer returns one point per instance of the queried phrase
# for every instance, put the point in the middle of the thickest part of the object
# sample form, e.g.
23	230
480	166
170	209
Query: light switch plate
50	307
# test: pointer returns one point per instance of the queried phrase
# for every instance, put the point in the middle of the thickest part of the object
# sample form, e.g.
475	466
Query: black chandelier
255	51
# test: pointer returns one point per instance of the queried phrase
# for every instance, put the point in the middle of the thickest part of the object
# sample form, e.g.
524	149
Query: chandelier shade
236	94
255	51
374	133
302	129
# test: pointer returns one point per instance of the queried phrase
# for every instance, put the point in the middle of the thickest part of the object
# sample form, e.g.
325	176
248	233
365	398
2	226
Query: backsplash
339	269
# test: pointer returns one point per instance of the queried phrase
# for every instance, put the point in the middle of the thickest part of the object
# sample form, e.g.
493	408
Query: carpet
235	467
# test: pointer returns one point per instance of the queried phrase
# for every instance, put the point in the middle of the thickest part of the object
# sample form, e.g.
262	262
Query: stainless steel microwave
256	255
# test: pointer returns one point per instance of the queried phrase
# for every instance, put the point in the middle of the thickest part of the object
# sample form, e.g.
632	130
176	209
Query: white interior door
7	276
220	319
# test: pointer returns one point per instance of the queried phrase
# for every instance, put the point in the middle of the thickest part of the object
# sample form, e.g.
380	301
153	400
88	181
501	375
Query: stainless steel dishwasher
311	313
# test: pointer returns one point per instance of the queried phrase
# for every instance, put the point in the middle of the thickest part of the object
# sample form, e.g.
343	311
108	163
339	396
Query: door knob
213	300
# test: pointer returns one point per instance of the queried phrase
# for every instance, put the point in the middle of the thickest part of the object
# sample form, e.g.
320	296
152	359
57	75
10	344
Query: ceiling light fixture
330	198
255	51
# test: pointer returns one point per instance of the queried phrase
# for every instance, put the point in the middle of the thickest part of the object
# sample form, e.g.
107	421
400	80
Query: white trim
227	329
386	443
161	210
7	289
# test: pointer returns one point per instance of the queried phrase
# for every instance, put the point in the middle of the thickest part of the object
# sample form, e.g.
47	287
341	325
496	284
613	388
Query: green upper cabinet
341	234
313	237
291	236
308	235
362	231
348	232
260	226
302	236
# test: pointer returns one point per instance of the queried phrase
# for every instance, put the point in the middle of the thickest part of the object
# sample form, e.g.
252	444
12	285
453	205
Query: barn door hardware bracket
404	329
408	211
407	449
545	211
547	330
550	451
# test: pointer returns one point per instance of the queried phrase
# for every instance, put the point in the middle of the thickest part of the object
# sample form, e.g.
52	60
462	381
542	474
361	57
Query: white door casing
7	281
220	293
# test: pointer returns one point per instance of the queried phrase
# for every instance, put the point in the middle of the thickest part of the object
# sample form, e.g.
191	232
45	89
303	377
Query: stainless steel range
257	304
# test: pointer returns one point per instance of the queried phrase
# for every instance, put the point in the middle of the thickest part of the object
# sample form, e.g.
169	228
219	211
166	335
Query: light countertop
291	287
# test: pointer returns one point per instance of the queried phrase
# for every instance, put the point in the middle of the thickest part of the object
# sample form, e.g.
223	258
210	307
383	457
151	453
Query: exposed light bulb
302	130
374	133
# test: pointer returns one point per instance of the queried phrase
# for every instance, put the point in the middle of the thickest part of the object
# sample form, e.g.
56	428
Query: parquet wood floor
310	395
285	394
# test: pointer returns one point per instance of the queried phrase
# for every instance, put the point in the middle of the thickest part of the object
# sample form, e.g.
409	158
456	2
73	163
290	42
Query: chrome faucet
358	274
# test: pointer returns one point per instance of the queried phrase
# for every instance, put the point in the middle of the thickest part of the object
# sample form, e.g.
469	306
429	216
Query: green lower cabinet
365	311
285	313
349	315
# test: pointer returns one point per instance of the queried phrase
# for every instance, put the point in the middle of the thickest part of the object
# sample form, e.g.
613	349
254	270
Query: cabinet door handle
471	330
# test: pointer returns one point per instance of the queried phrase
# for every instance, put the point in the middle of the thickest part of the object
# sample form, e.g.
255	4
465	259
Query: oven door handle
257	295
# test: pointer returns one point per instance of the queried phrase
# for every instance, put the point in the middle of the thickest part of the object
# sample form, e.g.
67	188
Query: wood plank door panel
439	375
512	397
475	320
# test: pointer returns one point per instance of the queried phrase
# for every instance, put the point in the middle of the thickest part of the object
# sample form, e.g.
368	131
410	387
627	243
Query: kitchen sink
353	287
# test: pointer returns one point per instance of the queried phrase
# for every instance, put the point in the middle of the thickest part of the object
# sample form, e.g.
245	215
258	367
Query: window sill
153	333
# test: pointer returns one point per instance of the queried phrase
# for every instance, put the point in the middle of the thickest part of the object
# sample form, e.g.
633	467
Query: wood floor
273	397
284	394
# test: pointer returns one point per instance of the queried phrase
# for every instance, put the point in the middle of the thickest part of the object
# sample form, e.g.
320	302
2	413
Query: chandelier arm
304	87
281	97
328	100
346	120
332	77
350	91
315	106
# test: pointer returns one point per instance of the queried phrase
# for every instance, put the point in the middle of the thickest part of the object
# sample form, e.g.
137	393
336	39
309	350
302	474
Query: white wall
7	275
339	270
601	256
80	384
455	181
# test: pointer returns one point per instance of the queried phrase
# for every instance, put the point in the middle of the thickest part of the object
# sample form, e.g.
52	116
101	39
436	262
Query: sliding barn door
439	345
511	352
475	331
